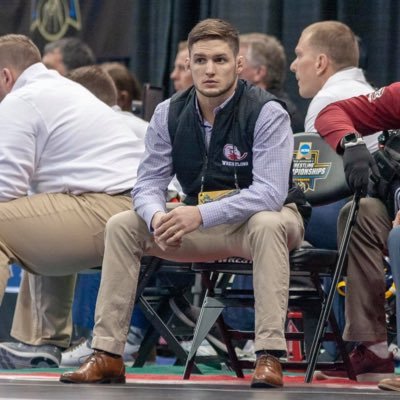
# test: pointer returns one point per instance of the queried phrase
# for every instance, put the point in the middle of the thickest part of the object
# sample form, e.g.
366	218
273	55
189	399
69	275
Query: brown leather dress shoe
268	372
390	384
99	367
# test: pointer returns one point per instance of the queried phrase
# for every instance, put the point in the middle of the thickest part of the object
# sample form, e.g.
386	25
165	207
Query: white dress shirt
343	84
137	125
58	137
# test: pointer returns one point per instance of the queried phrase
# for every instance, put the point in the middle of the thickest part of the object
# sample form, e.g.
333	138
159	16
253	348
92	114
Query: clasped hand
169	228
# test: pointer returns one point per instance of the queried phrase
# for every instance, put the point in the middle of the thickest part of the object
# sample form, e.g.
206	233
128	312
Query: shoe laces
266	360
358	354
91	359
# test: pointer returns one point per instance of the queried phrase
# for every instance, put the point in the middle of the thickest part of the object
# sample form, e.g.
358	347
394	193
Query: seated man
66	54
68	163
128	86
342	124
222	134
181	75
265	66
326	69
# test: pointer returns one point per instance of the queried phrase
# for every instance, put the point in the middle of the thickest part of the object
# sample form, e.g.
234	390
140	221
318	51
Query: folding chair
154	302
318	170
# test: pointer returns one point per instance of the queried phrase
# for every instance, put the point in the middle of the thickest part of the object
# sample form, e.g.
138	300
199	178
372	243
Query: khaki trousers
365	285
266	238
53	236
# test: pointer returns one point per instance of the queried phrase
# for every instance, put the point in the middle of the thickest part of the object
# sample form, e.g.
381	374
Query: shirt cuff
148	214
212	214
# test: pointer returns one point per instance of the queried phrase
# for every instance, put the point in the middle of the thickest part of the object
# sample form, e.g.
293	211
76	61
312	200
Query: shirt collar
351	73
31	72
215	111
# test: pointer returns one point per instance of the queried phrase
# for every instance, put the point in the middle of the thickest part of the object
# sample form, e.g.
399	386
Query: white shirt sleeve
155	169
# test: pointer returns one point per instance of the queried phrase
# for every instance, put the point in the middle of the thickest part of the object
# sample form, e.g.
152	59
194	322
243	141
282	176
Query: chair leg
209	313
230	348
342	349
327	304
148	343
151	337
163	329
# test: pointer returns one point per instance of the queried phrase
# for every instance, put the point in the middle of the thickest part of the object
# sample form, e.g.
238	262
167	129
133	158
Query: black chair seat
303	260
313	260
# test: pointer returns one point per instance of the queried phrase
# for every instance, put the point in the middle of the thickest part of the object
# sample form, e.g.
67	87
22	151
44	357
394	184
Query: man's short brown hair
97	81
18	52
335	39
123	79
215	29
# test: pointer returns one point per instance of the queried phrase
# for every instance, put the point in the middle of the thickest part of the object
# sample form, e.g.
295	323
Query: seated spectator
66	54
68	164
265	66
181	76
128	86
326	68
253	222
343	125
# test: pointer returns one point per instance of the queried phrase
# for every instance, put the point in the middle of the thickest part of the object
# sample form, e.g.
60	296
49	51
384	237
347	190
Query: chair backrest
152	95
318	170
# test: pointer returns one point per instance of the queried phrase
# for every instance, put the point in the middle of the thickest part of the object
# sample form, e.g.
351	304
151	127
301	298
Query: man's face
54	60
181	75
214	68
305	66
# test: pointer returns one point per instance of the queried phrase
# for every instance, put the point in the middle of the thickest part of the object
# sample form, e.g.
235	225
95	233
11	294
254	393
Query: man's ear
8	78
187	63
124	99
239	64
261	73
321	64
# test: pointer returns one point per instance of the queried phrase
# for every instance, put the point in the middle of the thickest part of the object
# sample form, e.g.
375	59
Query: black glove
357	161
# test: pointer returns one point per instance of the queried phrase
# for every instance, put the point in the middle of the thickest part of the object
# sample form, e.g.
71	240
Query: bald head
335	39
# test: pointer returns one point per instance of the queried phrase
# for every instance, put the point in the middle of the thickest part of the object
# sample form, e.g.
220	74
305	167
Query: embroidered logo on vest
232	153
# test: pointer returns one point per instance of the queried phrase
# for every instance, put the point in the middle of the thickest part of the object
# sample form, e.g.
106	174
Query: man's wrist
351	139
154	220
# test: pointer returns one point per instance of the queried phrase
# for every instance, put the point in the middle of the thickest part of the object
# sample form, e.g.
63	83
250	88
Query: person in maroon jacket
342	125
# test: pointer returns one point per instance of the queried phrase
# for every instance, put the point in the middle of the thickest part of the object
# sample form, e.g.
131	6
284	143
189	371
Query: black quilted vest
230	148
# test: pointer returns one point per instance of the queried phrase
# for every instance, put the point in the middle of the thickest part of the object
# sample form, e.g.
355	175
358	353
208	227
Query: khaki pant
54	236
365	286
266	238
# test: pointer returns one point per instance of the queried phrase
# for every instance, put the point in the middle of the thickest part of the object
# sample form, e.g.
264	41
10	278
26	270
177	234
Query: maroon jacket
365	114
